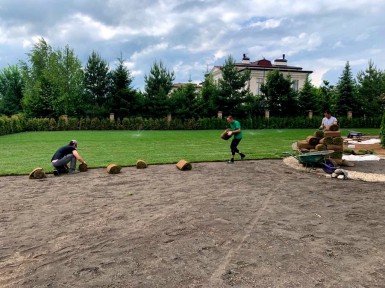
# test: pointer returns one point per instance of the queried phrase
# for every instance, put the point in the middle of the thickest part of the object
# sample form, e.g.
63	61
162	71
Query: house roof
178	85
264	64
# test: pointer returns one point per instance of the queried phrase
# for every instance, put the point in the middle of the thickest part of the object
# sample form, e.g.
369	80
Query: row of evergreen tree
53	82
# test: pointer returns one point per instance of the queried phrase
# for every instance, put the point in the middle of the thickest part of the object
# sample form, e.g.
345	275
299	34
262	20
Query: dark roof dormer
263	63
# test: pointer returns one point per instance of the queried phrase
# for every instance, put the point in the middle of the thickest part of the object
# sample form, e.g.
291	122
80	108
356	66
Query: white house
259	69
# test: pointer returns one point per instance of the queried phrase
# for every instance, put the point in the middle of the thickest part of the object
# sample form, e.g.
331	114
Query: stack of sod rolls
311	143
334	141
324	140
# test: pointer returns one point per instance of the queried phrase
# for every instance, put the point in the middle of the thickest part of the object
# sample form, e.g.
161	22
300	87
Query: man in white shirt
328	120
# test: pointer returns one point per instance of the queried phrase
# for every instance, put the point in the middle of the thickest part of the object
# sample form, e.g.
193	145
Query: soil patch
250	224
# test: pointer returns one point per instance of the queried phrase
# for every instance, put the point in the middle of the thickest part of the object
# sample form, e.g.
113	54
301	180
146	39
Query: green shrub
72	124
4	127
96	124
18	123
52	125
62	124
382	131
85	124
37	124
15	124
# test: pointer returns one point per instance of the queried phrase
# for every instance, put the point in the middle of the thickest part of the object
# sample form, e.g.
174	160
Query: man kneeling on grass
65	155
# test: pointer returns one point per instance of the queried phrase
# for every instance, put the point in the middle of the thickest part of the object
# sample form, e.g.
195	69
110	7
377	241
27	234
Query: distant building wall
259	70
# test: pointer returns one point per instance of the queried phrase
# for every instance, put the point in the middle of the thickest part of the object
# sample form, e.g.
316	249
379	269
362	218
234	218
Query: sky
192	36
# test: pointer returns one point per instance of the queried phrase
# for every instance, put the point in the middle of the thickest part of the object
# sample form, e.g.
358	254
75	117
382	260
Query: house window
295	85
258	86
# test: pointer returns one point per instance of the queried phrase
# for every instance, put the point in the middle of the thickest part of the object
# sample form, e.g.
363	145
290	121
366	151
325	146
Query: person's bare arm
78	157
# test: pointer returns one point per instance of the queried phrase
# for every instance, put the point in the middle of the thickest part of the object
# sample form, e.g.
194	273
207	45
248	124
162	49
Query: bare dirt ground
251	224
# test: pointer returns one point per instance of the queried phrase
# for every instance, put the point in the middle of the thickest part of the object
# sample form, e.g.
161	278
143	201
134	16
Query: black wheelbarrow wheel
329	166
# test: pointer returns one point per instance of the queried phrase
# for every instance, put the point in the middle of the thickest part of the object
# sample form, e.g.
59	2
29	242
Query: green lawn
21	153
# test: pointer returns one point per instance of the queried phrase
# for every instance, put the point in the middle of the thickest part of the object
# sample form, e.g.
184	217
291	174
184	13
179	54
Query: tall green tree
11	85
278	95
326	98
124	102
97	82
66	74
53	82
209	96
233	91
346	93
158	85
38	91
307	97
371	90
186	102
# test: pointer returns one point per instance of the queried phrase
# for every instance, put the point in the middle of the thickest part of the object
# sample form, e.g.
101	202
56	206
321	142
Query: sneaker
56	173
242	156
231	161
71	172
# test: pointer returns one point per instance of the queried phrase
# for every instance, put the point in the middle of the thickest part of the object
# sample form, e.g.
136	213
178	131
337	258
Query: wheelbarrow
316	159
355	134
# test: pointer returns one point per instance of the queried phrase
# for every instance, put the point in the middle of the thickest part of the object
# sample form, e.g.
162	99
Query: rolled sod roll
312	140
336	155
334	127
37	173
183	165
319	134
326	140
140	164
335	147
302	144
304	150
113	169
332	133
338	141
83	167
320	147
225	136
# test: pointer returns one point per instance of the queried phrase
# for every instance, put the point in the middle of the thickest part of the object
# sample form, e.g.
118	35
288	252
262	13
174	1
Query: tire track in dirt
216	278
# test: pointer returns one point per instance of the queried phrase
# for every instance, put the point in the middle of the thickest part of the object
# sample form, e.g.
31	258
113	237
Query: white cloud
301	42
97	29
188	35
338	44
219	54
150	50
268	24
362	37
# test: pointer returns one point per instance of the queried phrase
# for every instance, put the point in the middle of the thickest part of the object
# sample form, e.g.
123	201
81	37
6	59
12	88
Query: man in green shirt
235	129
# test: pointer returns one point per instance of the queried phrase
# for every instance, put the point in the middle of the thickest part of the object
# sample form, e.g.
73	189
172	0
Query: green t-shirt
235	126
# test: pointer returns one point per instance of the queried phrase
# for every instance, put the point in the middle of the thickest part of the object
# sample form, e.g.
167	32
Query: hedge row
15	124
